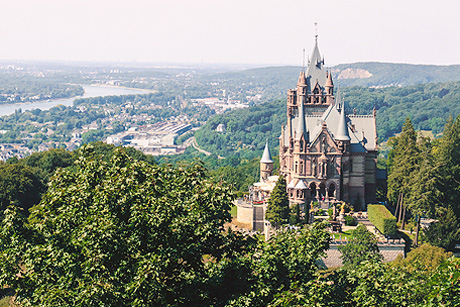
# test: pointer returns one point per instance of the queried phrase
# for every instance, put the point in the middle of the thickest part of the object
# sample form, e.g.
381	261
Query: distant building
326	154
220	128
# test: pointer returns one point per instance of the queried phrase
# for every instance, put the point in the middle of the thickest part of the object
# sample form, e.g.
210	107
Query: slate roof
315	70
331	116
266	157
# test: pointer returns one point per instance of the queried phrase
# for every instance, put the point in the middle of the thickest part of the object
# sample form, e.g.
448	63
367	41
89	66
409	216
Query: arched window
331	190
313	189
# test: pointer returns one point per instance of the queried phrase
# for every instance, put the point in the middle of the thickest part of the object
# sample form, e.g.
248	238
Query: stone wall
389	252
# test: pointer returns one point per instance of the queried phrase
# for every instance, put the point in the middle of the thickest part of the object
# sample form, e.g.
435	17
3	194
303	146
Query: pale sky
270	32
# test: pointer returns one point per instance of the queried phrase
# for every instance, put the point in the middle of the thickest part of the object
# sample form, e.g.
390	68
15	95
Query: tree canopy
278	204
119	233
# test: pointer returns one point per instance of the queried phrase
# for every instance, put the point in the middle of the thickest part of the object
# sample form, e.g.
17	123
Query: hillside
276	80
428	105
386	74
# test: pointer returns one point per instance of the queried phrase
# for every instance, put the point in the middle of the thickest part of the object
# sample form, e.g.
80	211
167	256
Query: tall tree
361	247
444	188
278	204
403	162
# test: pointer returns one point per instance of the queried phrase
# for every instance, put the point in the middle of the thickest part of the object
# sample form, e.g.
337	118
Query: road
195	145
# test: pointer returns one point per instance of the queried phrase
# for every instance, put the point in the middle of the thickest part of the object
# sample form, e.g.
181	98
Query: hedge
382	219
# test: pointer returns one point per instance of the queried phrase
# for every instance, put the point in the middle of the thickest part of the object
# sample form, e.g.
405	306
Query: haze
230	31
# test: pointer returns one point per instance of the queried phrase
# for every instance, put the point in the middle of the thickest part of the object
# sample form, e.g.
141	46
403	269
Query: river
90	91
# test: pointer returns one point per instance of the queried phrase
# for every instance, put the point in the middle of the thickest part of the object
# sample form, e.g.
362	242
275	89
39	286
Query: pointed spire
266	157
329	80
301	127
338	99
302	80
315	70
342	130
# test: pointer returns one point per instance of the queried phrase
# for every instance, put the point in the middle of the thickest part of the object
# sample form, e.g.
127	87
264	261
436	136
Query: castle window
301	167
301	145
295	170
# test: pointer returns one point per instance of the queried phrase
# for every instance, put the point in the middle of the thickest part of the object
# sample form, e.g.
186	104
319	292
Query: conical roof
338	98
302	80
315	71
329	80
266	157
301	127
342	129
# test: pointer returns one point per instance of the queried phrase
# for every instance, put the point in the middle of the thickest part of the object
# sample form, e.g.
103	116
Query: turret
329	89
301	126
342	135
266	164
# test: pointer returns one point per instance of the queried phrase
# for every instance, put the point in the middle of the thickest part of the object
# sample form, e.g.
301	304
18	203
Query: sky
269	32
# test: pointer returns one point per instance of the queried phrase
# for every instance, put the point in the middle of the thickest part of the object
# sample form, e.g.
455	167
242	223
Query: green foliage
350	220
15	88
20	186
445	285
403	162
288	259
121	233
425	259
48	161
446	232
382	219
247	130
278	205
294	215
362	246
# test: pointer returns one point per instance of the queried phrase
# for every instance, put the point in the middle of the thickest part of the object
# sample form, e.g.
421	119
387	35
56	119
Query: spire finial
316	31
303	60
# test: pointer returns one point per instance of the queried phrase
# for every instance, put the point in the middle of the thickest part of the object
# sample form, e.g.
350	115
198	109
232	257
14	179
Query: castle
325	154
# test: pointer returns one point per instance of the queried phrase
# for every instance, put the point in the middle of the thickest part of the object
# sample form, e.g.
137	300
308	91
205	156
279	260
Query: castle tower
325	154
266	164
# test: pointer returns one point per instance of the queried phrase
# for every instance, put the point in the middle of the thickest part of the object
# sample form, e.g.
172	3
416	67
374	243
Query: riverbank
90	92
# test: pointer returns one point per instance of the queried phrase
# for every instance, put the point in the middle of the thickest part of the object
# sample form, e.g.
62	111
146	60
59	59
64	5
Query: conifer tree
278	204
403	161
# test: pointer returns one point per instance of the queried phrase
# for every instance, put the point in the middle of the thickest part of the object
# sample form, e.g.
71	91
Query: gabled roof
300	185
332	117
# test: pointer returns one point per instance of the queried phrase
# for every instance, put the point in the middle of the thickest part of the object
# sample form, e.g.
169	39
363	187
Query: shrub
330	212
382	219
350	220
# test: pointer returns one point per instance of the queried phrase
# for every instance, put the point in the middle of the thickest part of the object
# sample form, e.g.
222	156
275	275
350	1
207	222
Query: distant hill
277	80
373	74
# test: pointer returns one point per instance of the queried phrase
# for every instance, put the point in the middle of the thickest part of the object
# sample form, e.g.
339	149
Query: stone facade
326	154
